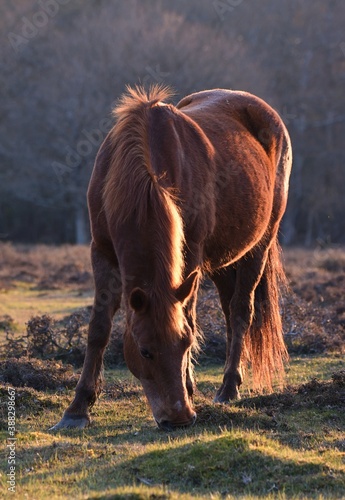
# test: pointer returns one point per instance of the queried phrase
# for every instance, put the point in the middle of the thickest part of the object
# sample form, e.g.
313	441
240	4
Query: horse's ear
138	300
184	292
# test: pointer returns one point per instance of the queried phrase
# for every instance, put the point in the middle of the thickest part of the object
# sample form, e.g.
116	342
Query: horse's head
160	358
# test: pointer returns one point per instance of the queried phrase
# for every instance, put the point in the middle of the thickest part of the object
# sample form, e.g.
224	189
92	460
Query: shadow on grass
229	463
245	448
254	446
300	427
127	408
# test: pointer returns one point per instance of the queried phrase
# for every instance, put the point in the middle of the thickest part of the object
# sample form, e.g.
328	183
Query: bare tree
66	62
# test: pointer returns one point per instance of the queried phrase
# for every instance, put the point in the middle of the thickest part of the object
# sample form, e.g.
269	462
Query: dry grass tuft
313	394
314	312
44	266
38	374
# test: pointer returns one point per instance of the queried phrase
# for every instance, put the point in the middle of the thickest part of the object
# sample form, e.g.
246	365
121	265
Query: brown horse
178	191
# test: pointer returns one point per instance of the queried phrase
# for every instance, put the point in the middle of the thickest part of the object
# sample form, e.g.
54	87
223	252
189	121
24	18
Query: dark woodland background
65	62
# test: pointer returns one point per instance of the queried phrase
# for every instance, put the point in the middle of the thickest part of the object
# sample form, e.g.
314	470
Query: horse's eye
146	354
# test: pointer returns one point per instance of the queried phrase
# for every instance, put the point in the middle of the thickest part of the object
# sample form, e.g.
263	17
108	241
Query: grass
23	301
300	370
43	280
289	444
254	448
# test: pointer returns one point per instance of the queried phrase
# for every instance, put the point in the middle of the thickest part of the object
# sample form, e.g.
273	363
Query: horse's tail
264	345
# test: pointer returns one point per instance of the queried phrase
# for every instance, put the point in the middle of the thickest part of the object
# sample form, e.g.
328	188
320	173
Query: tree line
65	62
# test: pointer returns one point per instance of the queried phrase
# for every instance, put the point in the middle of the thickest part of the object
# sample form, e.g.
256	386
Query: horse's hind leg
239	310
107	301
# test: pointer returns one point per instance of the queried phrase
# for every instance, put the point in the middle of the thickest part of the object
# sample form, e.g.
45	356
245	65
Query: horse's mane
131	177
132	189
137	97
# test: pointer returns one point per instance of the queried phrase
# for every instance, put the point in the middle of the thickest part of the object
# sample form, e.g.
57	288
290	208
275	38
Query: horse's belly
220	251
239	227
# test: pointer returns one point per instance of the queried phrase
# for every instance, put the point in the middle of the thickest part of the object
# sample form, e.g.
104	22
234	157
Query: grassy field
289	444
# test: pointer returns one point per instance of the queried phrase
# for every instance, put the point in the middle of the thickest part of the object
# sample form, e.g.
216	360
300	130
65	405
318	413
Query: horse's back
252	148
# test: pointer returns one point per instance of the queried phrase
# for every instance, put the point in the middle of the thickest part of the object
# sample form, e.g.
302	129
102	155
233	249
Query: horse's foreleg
107	301
225	281
239	316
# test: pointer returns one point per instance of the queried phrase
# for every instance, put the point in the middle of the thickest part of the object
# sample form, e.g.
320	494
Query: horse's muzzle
166	425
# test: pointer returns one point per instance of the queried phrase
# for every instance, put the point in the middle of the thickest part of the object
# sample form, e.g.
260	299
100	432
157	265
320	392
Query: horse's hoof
72	421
